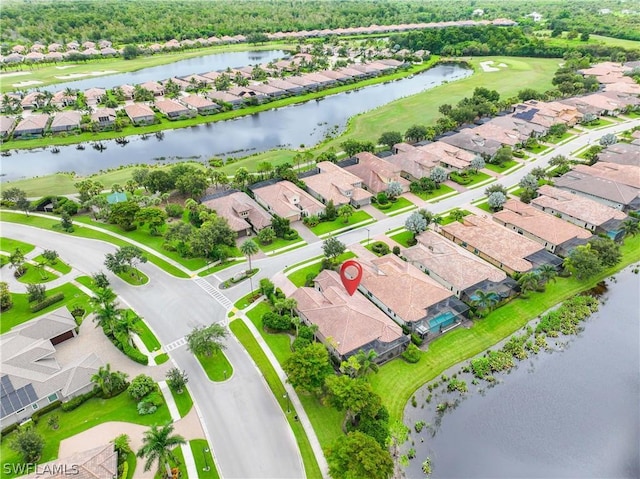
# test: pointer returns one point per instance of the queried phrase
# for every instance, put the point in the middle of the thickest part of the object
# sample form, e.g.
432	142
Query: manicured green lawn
398	380
54	224
599	123
300	276
217	366
443	190
60	266
399	204
279	343
539	148
9	244
132	463
484	206
244	301
87	281
161	358
557	139
202	455
20	313
449	219
402	238
95	411
281	243
183	401
35	275
501	169
134	277
312	471
315	258
479	177
339	223
142	235
148	338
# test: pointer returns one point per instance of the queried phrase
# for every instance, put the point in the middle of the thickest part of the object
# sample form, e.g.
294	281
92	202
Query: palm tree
367	362
529	282
631	227
249	248
157	445
102	380
484	301
547	273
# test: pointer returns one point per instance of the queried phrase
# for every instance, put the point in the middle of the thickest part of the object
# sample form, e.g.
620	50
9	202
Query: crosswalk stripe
213	292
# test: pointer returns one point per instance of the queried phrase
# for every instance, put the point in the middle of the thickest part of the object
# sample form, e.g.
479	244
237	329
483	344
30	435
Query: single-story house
306	83
66	120
154	87
202	105
289	87
173	110
247	93
221	97
410	297
339	76
104	117
128	91
448	156
288	201
348	324
241	212
139	113
6	125
32	377
413	163
61	99
376	173
468	140
493	131
320	80
623	174
457	269
32	100
555	234
267	89
96	463
497	245
621	153
94	95
333	183
608	192
581	211
31	125
181	84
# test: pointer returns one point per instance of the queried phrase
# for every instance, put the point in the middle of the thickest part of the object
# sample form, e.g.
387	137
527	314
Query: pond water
203	64
567	414
307	123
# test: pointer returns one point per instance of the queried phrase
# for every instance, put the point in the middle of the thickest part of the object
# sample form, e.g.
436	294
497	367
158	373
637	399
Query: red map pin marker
351	274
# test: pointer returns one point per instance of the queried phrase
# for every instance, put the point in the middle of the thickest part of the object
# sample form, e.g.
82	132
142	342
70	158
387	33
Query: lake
567	414
203	64
306	123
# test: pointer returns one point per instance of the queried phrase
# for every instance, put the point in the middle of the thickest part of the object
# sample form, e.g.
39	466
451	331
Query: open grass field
47	73
20	312
312	471
398	380
593	40
95	411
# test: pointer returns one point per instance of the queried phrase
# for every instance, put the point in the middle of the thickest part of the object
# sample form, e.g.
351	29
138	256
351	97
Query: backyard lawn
93	412
339	223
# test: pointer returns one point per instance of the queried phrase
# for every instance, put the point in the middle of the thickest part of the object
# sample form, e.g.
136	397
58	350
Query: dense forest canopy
144	21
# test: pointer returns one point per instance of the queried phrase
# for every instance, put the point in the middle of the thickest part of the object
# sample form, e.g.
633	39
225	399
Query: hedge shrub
43	410
46	302
73	403
122	343
412	354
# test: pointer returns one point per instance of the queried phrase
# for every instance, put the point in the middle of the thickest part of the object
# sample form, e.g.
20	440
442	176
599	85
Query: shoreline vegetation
165	124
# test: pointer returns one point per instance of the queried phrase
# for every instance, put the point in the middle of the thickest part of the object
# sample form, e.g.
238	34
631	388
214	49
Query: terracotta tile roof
625	174
286	199
376	173
350	322
335	183
450	154
32	122
196	101
97	463
138	110
545	226
495	241
66	118
231	206
414	161
470	141
170	106
402	287
452	263
576	206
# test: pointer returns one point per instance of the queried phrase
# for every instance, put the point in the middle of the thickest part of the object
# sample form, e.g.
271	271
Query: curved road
243	422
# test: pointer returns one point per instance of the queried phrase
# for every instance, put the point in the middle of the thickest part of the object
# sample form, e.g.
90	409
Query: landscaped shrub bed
121	341
75	402
46	302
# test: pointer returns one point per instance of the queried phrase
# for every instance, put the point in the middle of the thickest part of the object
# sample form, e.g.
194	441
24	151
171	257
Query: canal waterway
203	64
571	413
302	124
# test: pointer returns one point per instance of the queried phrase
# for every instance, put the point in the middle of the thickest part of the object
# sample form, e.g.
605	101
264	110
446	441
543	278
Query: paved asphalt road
244	424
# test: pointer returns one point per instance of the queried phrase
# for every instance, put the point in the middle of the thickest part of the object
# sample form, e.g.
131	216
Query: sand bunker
486	66
64	67
82	75
27	83
14	74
